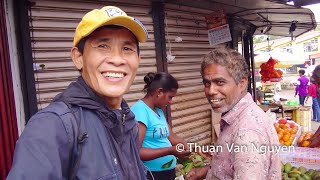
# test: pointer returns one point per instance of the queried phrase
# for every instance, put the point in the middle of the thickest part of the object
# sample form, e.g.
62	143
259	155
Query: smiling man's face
109	62
221	89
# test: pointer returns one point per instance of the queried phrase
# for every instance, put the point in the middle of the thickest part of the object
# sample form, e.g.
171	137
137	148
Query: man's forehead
214	77
215	69
107	33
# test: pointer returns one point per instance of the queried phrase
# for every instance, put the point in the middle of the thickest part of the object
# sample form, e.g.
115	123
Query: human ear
159	92
243	84
77	58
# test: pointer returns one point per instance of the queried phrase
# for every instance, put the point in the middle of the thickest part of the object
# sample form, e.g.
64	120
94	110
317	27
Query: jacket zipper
123	118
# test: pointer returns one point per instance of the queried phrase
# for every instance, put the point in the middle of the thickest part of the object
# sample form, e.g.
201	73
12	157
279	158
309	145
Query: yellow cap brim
124	21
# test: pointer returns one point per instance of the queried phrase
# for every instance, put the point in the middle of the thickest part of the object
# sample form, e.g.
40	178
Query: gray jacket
46	147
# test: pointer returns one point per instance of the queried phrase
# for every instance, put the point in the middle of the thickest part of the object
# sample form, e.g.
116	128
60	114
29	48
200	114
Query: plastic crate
302	156
295	141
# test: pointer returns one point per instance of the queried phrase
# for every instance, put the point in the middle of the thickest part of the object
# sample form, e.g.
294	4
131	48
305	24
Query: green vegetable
198	157
188	168
184	162
167	165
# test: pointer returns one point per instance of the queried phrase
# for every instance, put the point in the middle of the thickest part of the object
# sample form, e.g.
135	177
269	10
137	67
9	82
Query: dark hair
82	42
316	74
312	80
229	58
301	71
160	80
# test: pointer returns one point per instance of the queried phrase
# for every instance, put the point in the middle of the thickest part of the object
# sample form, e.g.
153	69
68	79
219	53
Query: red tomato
283	121
292	125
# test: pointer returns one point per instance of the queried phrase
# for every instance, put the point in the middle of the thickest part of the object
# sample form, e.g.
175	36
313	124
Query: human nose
115	57
212	90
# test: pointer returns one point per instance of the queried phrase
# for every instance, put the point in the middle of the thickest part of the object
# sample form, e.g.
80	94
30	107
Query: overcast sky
316	11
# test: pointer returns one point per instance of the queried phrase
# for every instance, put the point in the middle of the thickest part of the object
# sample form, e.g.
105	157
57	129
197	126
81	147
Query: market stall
293	125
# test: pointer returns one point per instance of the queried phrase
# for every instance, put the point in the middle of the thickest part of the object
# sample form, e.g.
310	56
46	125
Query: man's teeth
112	74
215	100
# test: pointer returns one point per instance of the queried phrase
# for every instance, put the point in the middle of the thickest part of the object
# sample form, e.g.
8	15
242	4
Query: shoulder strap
80	138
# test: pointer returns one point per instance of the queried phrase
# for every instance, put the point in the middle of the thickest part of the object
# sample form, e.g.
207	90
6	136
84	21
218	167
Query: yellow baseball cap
109	15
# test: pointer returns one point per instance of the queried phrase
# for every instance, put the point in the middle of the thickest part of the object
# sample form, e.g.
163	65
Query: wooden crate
302	116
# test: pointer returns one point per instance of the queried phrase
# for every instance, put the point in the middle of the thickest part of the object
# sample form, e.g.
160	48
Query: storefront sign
218	28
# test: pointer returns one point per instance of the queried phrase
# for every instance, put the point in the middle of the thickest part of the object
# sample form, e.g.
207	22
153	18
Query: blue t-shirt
157	134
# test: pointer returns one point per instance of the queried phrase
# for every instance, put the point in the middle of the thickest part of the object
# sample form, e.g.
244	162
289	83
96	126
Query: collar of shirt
231	116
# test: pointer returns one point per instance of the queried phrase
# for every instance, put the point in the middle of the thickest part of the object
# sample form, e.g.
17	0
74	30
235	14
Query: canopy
285	59
273	17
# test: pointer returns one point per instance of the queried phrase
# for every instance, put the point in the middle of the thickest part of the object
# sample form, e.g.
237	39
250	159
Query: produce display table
285	108
265	108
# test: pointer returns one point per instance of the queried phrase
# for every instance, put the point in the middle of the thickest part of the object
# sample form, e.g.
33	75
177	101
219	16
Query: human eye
220	83
103	46
206	83
129	49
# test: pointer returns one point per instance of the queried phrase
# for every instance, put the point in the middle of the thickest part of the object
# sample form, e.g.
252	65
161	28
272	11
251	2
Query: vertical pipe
246	54
26	65
158	14
252	68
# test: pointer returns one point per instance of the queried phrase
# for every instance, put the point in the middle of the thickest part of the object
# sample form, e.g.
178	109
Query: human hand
180	151
206	155
192	175
315	139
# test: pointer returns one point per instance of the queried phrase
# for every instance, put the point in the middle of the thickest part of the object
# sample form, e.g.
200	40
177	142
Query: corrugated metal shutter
52	25
190	111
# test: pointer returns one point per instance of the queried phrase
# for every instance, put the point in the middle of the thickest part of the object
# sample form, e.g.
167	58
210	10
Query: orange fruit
280	135
287	143
290	141
292	136
276	125
281	130
285	137
293	131
300	139
306	143
287	133
306	137
281	141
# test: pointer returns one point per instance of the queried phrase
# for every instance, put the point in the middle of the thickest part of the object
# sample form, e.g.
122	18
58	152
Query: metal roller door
52	25
190	111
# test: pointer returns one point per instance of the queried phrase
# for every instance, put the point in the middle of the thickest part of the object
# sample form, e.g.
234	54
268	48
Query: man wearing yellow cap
88	131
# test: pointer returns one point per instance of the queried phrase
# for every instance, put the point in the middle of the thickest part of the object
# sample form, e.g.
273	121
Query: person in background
156	139
260	95
88	131
312	91
301	89
225	78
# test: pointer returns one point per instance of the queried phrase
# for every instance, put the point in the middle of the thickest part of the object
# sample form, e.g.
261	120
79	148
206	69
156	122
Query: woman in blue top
156	139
